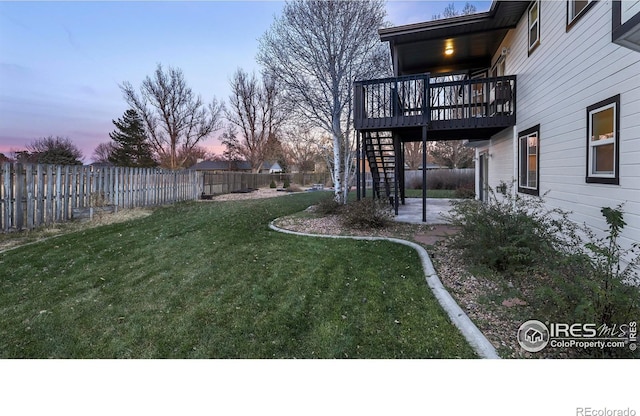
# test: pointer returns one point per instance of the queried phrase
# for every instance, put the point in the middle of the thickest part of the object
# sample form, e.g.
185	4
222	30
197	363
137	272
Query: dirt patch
258	194
17	239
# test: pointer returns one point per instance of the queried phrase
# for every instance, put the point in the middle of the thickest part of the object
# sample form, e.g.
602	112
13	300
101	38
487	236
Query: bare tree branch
315	51
175	118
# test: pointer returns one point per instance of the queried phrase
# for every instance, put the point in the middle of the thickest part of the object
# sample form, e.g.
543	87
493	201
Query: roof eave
386	34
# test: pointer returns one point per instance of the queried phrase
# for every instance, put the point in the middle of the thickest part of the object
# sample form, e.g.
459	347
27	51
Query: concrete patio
411	212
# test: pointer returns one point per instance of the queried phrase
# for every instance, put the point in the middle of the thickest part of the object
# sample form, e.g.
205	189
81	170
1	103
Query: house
271	167
217	166
547	92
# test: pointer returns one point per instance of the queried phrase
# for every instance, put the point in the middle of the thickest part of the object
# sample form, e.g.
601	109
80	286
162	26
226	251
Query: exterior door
484	177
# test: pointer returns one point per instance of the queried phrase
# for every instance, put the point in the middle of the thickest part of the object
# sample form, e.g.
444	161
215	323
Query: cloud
88	90
10	73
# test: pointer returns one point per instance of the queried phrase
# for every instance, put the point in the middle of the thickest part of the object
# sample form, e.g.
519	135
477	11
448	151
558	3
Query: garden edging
469	330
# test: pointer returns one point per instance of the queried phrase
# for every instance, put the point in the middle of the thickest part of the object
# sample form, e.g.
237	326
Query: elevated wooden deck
462	109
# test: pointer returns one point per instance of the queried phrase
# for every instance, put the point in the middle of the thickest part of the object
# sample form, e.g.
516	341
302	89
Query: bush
367	213
510	232
465	192
272	185
287	183
449	179
327	206
613	272
598	282
294	188
577	279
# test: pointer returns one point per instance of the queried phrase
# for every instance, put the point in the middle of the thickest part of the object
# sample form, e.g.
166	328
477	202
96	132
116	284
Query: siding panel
568	72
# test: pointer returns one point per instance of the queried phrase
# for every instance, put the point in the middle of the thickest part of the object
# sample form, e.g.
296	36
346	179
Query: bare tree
413	155
189	157
102	152
176	119
255	111
316	50
452	154
450	11
52	150
301	148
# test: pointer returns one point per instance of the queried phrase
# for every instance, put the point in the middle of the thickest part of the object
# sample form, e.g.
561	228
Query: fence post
30	195
8	193
19	189
65	196
40	195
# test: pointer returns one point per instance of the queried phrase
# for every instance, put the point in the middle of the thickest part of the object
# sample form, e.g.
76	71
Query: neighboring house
271	167
216	166
548	93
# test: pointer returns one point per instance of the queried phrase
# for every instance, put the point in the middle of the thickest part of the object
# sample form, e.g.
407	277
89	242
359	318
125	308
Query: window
534	25
576	9
528	161
603	141
499	68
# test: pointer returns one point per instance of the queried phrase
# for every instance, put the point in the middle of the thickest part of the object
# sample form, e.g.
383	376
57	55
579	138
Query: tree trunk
337	169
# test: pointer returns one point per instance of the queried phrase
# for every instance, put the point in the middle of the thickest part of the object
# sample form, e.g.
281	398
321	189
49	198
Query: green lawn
210	279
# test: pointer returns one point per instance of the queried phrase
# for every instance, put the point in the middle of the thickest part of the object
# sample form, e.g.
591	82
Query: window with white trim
576	9
603	129
529	161
534	25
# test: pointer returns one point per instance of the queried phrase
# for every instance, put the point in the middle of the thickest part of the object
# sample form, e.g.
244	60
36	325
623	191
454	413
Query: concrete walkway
411	212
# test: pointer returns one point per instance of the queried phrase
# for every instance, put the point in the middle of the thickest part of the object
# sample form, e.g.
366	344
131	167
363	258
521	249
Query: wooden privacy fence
214	183
33	195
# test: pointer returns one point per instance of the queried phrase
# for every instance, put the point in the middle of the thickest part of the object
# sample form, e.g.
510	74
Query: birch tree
175	118
316	50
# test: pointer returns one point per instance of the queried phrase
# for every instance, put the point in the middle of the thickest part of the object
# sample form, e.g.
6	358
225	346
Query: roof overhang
475	38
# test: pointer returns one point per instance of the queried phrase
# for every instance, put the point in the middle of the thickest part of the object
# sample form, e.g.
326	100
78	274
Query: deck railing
422	100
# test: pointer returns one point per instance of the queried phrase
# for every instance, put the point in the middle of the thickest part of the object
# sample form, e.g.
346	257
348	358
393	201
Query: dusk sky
61	63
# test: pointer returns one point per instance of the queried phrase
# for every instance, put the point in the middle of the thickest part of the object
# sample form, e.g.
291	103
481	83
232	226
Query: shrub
367	213
293	188
272	185
449	179
287	183
597	284
327	206
465	192
614	271
510	232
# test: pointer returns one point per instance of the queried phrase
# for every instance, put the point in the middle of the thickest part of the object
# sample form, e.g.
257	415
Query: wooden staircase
379	150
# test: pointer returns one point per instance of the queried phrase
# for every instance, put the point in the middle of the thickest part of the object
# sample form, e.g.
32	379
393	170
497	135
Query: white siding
629	9
500	167
568	72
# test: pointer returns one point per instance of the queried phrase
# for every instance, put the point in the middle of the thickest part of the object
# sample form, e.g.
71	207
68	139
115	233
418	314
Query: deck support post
424	173
358	184
403	186
364	168
396	173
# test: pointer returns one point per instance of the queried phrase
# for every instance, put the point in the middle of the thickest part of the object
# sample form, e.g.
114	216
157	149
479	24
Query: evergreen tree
131	147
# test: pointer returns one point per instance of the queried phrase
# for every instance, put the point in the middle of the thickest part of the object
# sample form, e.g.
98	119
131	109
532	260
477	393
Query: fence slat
33	195
19	193
30	196
8	195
